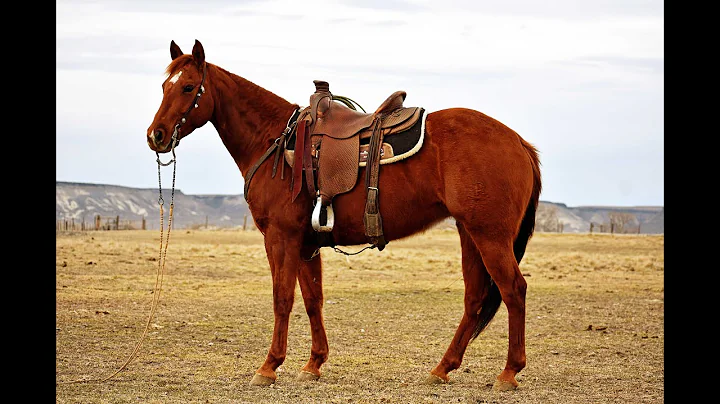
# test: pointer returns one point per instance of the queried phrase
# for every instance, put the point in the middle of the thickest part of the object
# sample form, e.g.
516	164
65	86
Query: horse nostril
158	135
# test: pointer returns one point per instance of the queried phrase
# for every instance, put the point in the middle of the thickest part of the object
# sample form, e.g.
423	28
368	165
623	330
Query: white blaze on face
175	77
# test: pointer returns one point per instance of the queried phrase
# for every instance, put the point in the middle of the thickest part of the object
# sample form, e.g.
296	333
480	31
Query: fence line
612	228
100	223
116	223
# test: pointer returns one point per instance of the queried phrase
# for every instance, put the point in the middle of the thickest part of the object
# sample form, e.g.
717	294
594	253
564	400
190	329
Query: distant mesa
82	202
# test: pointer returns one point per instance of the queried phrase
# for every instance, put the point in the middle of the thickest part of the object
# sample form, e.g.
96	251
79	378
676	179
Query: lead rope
161	263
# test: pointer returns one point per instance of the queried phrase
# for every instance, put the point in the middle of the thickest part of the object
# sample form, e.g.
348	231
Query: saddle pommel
320	100
321	86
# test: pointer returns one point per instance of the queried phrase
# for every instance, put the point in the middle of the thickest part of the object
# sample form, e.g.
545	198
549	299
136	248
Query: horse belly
408	202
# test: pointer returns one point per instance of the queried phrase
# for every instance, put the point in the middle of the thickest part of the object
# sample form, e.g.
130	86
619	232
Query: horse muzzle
155	140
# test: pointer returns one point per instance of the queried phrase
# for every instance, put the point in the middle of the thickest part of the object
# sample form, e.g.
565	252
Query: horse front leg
283	253
310	279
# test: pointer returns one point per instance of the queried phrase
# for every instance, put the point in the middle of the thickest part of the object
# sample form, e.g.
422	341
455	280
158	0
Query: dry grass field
595	321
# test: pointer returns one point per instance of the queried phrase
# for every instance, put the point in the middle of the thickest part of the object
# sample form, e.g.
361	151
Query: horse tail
527	226
491	302
490	306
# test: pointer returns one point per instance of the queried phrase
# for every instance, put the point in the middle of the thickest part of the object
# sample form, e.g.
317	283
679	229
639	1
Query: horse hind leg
481	303
502	265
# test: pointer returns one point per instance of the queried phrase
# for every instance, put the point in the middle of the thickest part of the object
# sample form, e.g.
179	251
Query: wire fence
99	222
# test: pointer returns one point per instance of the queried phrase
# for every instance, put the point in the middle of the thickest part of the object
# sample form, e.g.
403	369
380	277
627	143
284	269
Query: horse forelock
178	63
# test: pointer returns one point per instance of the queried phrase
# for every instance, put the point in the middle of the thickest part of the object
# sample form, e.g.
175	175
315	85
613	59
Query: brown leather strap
372	218
298	163
278	152
307	161
257	165
279	145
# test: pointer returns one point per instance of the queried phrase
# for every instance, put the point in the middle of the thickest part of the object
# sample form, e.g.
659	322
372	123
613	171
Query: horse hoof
304	375
260	380
434	379
504	385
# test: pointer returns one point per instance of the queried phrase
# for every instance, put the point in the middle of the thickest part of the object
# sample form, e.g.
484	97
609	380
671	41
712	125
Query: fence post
117	222
245	222
143	223
97	222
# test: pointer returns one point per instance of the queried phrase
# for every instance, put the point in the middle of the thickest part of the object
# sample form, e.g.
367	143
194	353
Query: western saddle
329	149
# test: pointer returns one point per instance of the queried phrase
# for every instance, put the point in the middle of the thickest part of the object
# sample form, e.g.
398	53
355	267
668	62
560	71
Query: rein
160	272
163	243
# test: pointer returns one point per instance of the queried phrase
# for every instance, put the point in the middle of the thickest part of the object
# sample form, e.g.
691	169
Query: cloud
583	81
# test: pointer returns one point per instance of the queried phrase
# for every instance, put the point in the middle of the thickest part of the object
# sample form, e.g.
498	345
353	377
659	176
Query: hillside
83	201
651	219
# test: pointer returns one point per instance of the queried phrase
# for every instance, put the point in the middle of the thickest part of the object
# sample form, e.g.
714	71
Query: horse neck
247	117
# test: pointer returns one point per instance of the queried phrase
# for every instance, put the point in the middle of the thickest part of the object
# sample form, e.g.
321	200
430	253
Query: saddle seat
340	122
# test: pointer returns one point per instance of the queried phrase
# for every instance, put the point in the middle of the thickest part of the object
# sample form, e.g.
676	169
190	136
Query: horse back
470	166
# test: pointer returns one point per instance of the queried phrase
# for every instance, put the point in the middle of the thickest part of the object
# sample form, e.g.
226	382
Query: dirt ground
595	321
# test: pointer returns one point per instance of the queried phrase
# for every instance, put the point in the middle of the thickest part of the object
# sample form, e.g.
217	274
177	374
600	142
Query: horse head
186	104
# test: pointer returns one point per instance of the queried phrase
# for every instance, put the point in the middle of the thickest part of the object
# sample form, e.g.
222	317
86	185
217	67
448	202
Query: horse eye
188	88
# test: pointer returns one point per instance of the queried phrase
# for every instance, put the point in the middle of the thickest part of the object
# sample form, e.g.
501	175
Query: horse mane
178	63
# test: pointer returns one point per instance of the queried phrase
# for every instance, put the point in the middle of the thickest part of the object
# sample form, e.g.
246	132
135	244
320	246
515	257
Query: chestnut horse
470	167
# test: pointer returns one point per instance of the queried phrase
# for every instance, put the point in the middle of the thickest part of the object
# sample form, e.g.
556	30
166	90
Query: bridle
173	161
192	106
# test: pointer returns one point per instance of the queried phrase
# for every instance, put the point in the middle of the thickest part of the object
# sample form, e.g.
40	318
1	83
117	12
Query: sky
582	81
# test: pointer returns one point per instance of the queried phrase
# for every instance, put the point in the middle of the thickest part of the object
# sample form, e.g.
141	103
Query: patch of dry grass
595	315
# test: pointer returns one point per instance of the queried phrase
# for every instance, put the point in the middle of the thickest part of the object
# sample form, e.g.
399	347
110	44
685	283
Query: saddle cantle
333	140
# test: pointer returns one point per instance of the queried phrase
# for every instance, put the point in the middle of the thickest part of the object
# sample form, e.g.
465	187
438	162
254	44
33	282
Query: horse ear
198	53
175	51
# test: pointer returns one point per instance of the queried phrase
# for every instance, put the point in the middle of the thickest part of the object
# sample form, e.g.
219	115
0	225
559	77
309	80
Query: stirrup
329	223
